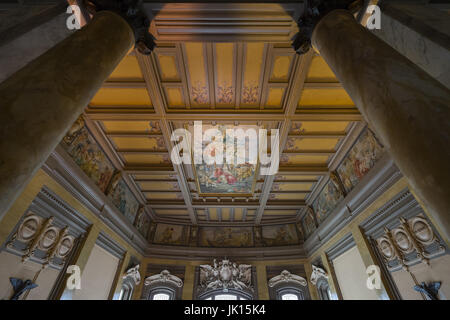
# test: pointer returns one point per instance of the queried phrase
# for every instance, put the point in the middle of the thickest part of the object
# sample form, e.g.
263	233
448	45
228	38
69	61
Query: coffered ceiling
233	83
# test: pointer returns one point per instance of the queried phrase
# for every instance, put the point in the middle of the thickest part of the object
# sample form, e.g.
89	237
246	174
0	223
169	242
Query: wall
189	276
13	216
98	276
351	274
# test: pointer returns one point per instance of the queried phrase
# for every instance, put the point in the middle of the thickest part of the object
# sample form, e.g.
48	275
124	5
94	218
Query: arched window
127	291
230	294
131	278
323	289
319	278
162	286
288	286
161	293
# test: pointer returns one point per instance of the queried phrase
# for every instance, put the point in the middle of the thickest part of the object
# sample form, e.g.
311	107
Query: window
289	296
161	296
323	289
127	290
231	294
289	293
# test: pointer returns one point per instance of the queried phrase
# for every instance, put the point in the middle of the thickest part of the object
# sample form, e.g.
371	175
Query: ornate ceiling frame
160	113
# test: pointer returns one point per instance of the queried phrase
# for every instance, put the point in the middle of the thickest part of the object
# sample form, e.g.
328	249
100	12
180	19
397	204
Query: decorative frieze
41	240
413	241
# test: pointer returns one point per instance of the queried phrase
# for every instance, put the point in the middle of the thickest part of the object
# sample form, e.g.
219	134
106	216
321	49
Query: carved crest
226	275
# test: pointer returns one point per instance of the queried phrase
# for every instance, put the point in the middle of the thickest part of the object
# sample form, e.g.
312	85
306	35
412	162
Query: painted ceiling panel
150	127
238	214
320	71
296	177
275	97
195	53
144	143
213	214
305	186
303	160
324	97
121	97
146	159
163	196
159	186
223	78
226	214
299	144
254	63
280	212
175	96
168	67
288	196
127	70
319	127
155	177
171	211
225	74
281	69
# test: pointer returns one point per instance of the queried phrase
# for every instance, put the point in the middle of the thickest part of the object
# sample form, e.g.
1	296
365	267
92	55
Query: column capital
133	13
314	11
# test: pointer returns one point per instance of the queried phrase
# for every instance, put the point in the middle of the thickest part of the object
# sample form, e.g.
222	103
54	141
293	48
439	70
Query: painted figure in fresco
361	158
327	201
309	222
229	237
88	156
282	235
167	235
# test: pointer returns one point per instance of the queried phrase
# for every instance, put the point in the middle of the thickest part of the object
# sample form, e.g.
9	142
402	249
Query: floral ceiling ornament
286	276
226	275
317	273
133	274
164	276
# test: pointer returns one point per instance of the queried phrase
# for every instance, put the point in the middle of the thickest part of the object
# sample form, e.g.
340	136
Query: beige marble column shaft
40	102
408	109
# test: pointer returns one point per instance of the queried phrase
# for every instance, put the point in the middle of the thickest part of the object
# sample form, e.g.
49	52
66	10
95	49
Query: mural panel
309	224
226	179
226	237
361	158
86	153
279	235
123	198
171	234
326	201
142	223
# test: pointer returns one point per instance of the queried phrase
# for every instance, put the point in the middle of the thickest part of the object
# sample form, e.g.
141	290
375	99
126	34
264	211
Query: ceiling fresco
241	82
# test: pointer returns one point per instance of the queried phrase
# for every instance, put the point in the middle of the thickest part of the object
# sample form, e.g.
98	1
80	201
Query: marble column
40	102
419	32
408	109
